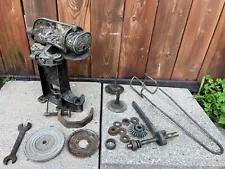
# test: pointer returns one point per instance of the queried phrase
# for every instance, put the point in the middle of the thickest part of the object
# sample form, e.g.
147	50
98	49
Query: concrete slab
180	152
18	104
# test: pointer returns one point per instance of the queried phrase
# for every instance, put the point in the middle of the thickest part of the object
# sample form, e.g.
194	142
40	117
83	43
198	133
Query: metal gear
138	130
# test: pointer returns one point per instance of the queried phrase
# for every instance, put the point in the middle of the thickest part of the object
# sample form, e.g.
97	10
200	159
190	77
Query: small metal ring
134	120
126	122
122	131
113	130
110	144
117	124
125	139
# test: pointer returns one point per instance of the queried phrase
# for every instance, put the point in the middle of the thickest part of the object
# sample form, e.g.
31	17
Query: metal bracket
76	124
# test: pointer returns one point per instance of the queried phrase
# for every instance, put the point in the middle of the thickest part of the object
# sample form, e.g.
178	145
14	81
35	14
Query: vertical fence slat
214	63
201	24
13	42
76	12
2	68
169	27
106	28
137	31
34	9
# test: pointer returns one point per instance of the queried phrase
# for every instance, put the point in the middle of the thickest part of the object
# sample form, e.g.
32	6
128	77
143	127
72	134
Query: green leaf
222	119
223	108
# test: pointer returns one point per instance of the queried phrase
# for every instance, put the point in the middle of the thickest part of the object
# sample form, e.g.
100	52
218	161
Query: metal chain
178	124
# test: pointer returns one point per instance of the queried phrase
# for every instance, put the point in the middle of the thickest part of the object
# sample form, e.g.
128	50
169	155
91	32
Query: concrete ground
180	152
18	104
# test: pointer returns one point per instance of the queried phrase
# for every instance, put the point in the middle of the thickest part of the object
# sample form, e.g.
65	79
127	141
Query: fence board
215	57
106	27
201	24
137	31
77	12
169	27
2	68
34	9
13	42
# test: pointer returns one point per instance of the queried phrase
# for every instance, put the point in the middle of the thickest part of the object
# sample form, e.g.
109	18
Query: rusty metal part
22	130
110	144
134	120
76	124
126	122
113	130
117	124
86	150
125	139
122	131
114	88
45	144
117	105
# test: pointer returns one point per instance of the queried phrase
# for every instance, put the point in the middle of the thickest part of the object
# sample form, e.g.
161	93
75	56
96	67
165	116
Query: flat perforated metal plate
83	135
44	145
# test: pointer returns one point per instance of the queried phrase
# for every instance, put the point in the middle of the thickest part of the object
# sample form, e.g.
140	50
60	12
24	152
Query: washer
113	130
134	120
117	124
110	144
44	145
126	122
90	142
122	131
125	139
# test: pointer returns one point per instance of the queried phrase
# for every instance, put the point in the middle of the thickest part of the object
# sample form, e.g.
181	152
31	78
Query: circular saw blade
44	145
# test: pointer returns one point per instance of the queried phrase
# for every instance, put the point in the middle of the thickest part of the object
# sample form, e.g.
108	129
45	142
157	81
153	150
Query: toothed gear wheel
138	130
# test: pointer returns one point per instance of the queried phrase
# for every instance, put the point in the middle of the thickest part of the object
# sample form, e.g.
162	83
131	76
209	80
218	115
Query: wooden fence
168	39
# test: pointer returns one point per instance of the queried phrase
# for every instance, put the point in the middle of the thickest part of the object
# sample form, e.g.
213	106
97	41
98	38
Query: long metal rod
177	123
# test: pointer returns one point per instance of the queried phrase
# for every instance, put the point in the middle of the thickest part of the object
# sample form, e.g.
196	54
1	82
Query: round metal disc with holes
83	143
44	145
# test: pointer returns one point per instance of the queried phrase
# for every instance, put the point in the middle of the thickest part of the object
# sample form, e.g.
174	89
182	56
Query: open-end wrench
12	156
